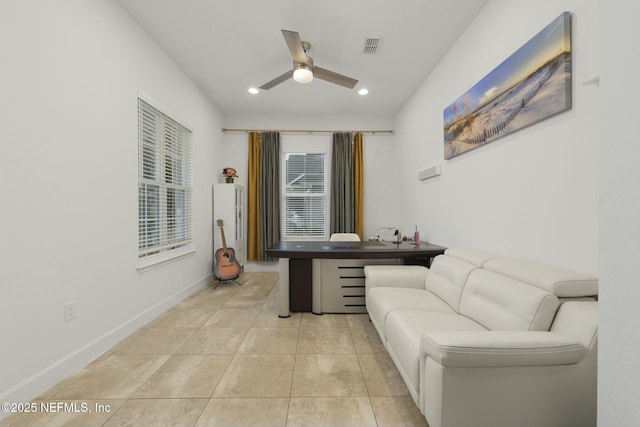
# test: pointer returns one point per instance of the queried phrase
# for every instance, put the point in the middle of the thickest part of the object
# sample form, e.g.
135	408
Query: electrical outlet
70	310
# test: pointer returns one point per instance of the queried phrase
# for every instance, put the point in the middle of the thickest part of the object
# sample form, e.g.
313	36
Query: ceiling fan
303	69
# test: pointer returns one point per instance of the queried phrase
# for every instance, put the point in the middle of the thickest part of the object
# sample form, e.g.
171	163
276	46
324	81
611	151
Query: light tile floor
222	357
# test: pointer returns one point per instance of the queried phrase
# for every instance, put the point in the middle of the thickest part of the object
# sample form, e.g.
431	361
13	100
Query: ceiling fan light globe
303	75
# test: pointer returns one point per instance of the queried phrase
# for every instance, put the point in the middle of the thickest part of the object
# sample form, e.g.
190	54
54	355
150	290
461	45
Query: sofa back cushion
446	278
501	303
563	283
474	256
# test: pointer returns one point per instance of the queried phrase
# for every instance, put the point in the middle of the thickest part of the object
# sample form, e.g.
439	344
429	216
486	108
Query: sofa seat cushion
382	301
404	329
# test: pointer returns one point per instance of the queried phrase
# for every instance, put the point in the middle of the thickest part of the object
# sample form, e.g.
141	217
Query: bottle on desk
416	237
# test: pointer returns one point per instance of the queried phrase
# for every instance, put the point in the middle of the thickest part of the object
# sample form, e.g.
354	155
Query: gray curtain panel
269	192
342	202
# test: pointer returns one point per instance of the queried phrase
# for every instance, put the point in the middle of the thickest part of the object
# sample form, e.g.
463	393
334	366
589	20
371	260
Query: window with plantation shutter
305	196
164	183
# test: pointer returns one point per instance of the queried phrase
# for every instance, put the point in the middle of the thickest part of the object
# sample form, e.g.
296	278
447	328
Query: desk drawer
343	284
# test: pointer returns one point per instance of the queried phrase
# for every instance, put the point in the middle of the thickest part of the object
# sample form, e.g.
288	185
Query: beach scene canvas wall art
531	85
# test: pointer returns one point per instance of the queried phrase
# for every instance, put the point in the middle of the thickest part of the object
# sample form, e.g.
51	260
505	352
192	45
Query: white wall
381	196
533	193
70	77
619	349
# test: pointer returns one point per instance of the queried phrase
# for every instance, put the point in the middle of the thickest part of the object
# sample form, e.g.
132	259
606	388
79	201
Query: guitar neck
224	241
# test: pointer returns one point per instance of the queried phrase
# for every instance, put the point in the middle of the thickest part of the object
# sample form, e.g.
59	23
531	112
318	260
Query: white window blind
164	182
305	197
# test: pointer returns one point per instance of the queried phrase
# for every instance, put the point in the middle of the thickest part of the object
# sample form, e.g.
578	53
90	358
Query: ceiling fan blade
330	76
295	46
281	78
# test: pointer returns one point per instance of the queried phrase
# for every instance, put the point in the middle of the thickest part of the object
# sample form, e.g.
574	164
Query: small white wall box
388	234
429	172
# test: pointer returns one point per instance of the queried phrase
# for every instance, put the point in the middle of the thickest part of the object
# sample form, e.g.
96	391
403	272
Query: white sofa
483	340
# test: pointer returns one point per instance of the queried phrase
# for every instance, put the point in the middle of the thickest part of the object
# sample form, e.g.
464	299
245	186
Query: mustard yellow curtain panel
263	194
253	198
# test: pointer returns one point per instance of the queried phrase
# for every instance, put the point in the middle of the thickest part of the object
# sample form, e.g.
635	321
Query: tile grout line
373	412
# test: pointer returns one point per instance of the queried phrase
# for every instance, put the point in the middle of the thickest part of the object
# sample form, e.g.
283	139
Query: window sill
156	261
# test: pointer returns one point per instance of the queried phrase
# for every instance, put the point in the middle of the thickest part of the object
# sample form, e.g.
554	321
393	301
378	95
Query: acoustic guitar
227	266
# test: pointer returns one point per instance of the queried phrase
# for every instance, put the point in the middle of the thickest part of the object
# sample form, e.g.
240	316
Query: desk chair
344	237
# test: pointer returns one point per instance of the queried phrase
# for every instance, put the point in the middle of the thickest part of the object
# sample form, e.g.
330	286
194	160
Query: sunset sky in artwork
547	44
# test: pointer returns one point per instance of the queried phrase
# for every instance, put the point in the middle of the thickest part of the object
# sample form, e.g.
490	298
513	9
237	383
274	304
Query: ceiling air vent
371	45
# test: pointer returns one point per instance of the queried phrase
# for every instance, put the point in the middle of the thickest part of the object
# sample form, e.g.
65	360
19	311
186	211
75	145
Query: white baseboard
41	381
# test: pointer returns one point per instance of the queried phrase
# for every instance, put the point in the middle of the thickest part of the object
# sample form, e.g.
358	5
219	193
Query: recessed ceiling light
363	91
253	90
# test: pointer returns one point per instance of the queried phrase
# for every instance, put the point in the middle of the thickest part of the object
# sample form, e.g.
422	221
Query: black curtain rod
373	132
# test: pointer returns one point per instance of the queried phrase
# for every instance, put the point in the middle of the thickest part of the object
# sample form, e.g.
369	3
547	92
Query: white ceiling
226	46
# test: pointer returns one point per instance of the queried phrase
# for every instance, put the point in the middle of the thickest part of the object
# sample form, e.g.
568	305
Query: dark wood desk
301	265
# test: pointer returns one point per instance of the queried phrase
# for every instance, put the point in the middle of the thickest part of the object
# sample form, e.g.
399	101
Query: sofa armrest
501	348
401	276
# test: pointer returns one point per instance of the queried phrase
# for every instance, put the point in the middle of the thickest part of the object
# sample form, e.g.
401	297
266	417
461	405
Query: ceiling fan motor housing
308	64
